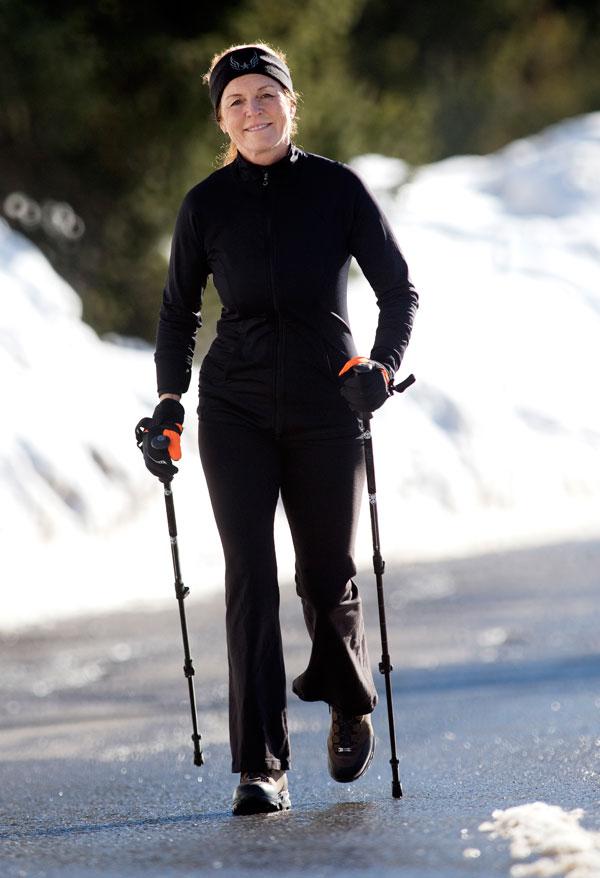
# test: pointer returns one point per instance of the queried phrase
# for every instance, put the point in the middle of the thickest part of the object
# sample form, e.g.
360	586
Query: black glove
367	386
158	438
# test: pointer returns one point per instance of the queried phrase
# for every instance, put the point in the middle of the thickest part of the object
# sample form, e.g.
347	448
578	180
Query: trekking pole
181	592
385	666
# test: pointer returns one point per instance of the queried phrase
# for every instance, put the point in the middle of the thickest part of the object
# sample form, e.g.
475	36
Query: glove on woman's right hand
158	438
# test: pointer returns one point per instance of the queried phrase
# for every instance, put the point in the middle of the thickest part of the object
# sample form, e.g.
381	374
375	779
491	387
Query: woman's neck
267	157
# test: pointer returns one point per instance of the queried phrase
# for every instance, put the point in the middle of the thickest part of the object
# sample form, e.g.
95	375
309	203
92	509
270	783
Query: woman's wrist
175	396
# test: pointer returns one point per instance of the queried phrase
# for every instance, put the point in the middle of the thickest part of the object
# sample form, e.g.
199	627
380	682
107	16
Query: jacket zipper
279	334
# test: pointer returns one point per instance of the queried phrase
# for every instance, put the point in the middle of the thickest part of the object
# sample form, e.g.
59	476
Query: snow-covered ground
498	443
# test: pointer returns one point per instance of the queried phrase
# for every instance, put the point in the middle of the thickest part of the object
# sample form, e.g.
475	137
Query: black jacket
278	241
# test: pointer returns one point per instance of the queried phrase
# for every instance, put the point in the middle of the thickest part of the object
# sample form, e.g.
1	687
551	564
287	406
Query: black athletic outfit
278	241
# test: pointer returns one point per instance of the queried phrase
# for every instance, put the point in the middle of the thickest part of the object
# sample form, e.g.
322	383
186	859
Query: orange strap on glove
355	361
174	437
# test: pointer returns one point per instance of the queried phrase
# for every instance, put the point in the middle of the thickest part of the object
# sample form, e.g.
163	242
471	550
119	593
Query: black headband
239	62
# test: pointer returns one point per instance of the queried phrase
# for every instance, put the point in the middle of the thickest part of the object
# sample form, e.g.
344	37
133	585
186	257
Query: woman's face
257	114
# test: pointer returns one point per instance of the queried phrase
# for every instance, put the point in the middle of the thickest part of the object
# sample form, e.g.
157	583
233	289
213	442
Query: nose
254	106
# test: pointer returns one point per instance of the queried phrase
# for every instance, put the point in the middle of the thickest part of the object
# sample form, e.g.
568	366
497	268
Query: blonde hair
229	152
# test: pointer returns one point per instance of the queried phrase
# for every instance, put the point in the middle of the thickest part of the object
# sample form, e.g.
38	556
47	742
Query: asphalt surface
497	685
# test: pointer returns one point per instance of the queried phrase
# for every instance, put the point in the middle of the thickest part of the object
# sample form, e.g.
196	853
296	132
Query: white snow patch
552	835
384	173
471	853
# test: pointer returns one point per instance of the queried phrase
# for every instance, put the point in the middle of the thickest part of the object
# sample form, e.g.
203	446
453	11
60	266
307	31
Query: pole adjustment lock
378	565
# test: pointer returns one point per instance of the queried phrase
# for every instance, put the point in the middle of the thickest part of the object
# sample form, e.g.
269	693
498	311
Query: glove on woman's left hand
366	389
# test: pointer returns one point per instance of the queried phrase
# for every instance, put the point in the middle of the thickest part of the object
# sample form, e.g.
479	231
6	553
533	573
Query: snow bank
81	521
66	456
561	846
497	444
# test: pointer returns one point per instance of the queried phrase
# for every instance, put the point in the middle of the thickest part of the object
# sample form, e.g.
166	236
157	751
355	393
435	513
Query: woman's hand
158	437
367	386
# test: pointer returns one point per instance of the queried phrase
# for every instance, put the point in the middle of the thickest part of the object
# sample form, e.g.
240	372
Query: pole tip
396	789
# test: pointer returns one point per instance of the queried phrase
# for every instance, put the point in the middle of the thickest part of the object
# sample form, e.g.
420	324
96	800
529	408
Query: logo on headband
245	65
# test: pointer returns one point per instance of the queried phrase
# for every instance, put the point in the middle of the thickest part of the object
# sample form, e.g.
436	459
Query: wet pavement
497	685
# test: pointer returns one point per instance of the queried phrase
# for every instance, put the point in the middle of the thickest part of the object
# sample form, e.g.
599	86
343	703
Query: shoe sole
254	801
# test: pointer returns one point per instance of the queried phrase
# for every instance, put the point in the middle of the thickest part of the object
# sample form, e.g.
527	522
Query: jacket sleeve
179	317
376	250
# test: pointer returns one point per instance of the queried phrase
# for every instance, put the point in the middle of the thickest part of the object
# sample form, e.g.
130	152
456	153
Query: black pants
320	481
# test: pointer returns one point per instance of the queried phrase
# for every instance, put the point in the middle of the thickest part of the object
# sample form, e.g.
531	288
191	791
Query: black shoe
261	793
350	746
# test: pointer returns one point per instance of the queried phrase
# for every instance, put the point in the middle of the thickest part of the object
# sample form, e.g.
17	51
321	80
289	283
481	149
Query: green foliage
471	75
102	105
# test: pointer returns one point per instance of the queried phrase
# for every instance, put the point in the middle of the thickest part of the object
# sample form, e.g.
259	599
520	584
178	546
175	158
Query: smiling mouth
258	127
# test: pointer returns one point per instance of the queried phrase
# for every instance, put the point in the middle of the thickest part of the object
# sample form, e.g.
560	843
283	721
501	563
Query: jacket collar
279	170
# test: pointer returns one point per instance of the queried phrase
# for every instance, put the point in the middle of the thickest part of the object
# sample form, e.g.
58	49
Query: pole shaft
181	593
385	666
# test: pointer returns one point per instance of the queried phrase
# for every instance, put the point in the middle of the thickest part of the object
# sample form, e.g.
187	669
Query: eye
267	94
236	101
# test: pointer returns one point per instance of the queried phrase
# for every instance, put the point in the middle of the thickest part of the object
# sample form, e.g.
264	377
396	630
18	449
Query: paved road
497	679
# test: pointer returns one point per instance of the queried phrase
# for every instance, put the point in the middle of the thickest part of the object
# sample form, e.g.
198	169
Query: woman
277	227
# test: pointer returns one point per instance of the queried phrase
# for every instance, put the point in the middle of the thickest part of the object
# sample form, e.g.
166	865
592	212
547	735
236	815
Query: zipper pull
265	178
